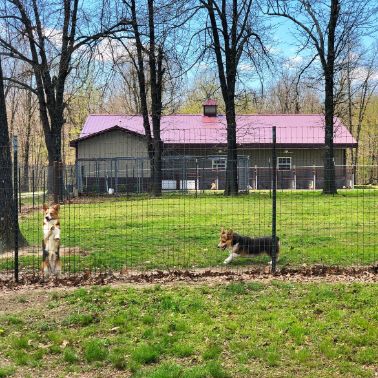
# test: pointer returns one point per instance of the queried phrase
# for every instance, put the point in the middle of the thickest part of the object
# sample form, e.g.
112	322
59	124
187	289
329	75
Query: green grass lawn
183	231
279	329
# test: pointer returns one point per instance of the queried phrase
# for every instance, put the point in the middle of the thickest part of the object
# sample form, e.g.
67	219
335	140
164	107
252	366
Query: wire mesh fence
110	221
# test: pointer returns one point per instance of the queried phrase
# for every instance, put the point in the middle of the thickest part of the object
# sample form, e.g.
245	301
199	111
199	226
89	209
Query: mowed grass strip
236	330
182	231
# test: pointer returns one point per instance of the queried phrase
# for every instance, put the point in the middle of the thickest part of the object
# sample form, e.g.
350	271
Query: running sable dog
51	241
245	246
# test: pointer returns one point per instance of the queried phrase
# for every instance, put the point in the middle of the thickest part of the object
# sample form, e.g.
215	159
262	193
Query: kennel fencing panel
110	220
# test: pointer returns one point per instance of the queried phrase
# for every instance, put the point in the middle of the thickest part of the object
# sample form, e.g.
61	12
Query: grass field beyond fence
183	231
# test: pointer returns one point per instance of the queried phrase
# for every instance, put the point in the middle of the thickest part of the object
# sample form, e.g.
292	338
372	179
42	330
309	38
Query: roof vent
210	108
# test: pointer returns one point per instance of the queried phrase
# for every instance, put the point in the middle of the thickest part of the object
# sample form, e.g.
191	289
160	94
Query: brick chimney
210	108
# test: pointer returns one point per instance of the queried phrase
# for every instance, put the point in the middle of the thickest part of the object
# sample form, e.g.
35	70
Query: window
210	110
284	163
219	163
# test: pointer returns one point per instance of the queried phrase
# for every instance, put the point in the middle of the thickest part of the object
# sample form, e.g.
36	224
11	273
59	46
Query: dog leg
46	239
57	233
277	253
58	268
45	257
230	258
45	269
271	262
46	266
57	263
232	255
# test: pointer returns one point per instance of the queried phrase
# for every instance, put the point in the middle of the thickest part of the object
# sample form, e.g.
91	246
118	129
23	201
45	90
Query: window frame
217	166
279	168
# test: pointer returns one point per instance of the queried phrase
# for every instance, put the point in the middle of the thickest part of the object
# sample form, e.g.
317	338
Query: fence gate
243	172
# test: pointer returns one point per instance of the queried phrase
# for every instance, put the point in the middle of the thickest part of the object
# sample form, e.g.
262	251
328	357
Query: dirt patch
27	209
56	371
315	273
36	250
13	304
90	199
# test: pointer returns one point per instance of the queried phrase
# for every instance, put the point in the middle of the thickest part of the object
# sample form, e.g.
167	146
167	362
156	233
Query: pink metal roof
292	130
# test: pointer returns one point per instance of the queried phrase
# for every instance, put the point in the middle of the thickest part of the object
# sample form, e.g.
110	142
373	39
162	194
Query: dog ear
222	230
56	207
45	207
230	231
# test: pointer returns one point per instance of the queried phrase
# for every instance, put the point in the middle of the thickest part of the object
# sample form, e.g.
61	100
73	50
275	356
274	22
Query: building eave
258	145
74	142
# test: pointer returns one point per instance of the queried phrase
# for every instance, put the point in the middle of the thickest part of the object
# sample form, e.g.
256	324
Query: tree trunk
53	141
227	73
7	209
231	188
155	146
329	186
25	173
155	60
157	169
25	178
6	187
373	177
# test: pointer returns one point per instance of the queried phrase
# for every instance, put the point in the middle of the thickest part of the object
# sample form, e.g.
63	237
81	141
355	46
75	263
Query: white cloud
293	61
246	67
360	74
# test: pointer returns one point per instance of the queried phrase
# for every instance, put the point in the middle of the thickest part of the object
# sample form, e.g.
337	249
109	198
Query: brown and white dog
51	241
246	246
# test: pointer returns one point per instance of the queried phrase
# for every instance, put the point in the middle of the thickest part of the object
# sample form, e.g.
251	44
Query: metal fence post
19	189
271	178
127	180
197	182
44	185
203	176
64	182
33	188
274	201
142	176
15	210
97	177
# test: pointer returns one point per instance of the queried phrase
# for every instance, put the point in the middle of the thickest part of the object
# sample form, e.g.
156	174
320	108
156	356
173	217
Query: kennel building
111	152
